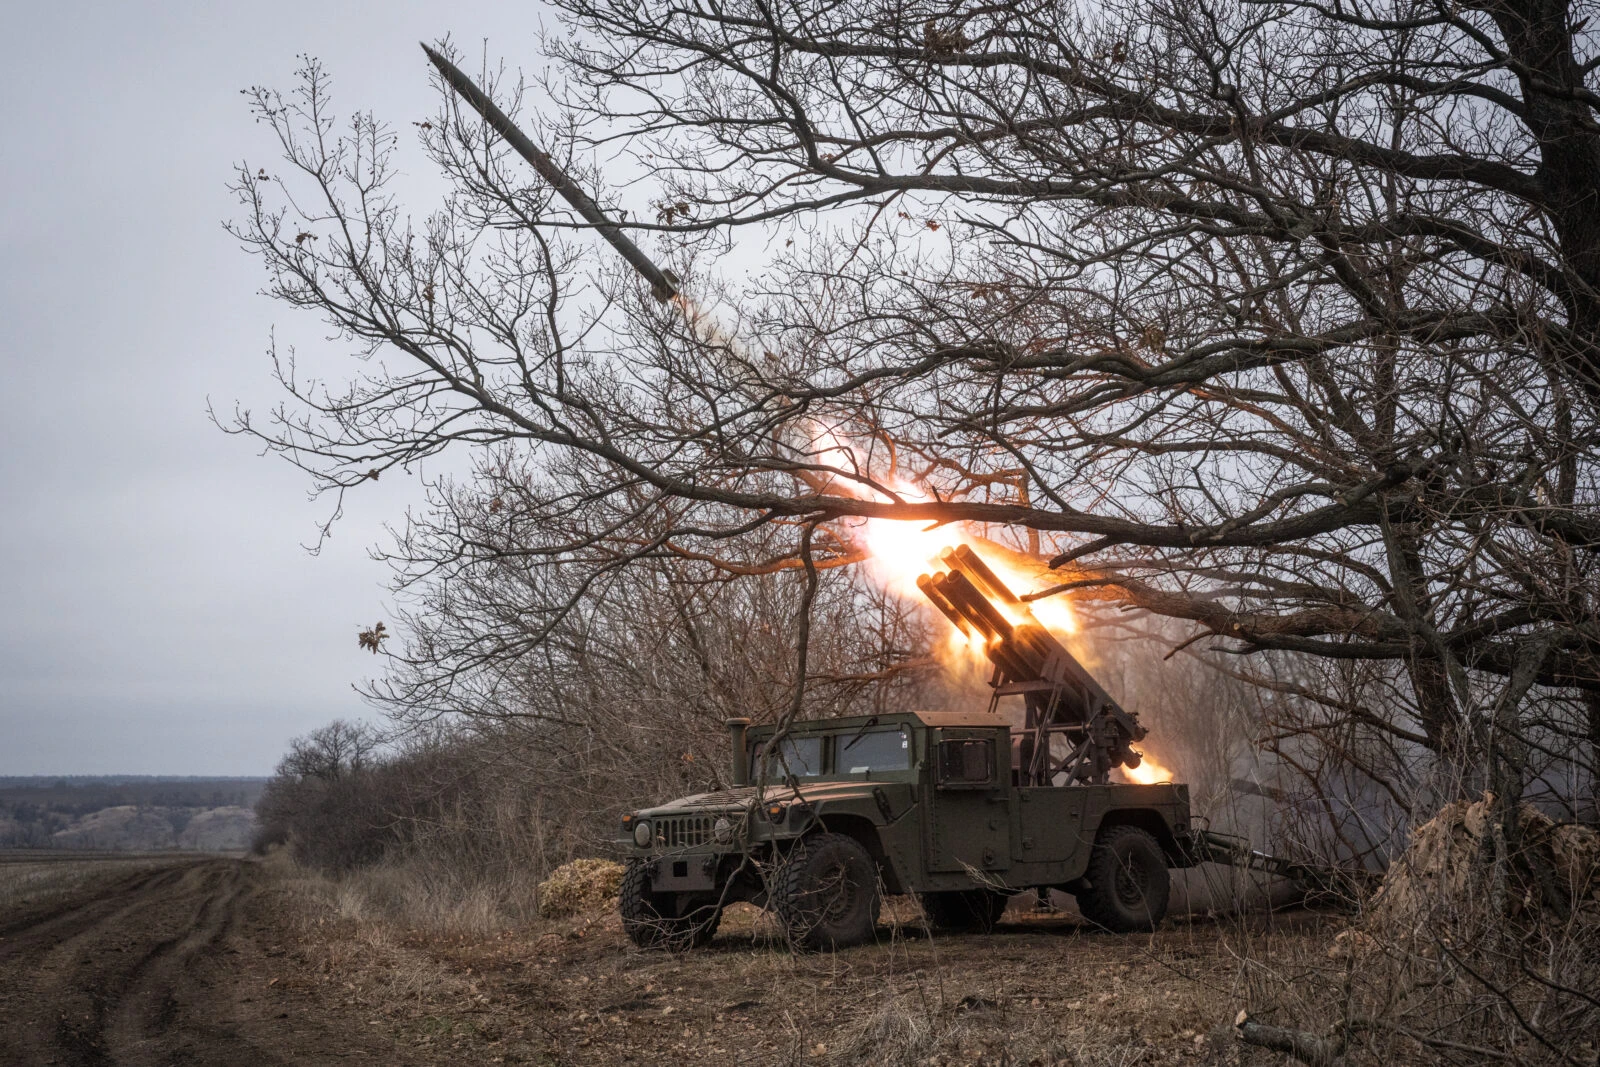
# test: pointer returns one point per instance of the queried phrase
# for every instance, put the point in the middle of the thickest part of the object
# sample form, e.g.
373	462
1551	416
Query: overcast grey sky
161	616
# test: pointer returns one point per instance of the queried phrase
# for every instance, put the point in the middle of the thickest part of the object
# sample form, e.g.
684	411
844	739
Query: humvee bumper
686	874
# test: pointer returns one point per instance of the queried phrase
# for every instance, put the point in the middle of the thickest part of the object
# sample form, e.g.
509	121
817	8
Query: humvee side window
879	750
797	756
966	762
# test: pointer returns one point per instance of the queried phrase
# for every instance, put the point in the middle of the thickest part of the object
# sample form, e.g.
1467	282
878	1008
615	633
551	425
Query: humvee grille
684	831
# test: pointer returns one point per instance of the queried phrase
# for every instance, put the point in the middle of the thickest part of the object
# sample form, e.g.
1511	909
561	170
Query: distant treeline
126	811
82	795
28	780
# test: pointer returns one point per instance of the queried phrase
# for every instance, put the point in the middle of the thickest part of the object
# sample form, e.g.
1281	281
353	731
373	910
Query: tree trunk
1538	36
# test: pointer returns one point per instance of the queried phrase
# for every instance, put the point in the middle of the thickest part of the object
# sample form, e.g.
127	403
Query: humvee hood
722	799
813	792
739	798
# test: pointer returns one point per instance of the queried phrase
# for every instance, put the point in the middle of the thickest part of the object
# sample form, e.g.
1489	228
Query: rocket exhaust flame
1148	772
1073	730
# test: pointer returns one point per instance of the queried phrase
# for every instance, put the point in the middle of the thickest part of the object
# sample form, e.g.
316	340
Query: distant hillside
128	812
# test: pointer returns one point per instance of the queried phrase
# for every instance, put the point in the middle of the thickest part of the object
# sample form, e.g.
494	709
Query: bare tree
1276	318
338	750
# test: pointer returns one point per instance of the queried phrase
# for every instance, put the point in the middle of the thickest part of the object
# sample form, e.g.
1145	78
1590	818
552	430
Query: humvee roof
937	719
959	718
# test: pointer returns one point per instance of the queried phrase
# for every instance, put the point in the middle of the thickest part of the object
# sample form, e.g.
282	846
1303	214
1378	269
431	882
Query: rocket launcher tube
1060	695
974	605
926	583
1001	646
663	284
972	566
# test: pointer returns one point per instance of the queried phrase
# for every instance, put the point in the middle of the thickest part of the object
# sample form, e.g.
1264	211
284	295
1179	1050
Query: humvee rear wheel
826	893
674	921
964	909
1128	883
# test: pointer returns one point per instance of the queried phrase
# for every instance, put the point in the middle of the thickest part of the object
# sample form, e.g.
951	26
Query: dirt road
154	966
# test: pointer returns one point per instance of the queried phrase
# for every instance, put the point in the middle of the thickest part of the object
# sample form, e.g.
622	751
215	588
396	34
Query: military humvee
960	808
927	803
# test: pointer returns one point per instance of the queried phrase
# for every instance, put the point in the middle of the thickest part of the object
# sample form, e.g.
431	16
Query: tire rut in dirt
61	972
143	1019
72	916
114	981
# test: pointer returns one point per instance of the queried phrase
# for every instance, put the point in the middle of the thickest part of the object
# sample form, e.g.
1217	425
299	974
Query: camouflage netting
1449	875
582	885
1481	937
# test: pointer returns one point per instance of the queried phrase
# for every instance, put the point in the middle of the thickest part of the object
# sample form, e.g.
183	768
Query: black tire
1128	885
826	893
964	909
673	921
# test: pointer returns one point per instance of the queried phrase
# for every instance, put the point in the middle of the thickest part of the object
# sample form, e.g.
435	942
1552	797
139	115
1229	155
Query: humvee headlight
641	833
722	831
775	813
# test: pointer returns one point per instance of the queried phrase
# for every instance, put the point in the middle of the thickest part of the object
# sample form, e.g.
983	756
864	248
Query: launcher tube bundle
1073	727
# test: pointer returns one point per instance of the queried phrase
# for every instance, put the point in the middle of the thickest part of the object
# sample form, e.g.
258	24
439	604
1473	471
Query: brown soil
1043	990
166	964
230	961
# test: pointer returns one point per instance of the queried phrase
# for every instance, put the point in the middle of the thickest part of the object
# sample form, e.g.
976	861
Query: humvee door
969	814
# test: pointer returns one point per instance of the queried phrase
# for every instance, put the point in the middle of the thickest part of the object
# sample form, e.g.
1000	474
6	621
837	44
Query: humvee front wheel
826	893
964	909
1128	884
674	921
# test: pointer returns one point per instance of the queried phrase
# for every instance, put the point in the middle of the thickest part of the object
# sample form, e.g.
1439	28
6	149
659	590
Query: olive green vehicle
960	808
927	803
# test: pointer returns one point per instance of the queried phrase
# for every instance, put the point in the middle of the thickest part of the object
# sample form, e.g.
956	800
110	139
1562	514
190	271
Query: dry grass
1042	990
415	895
1459	958
1467	954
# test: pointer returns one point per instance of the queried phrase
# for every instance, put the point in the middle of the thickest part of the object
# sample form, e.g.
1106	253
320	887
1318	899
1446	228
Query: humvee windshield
844	753
797	756
876	750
